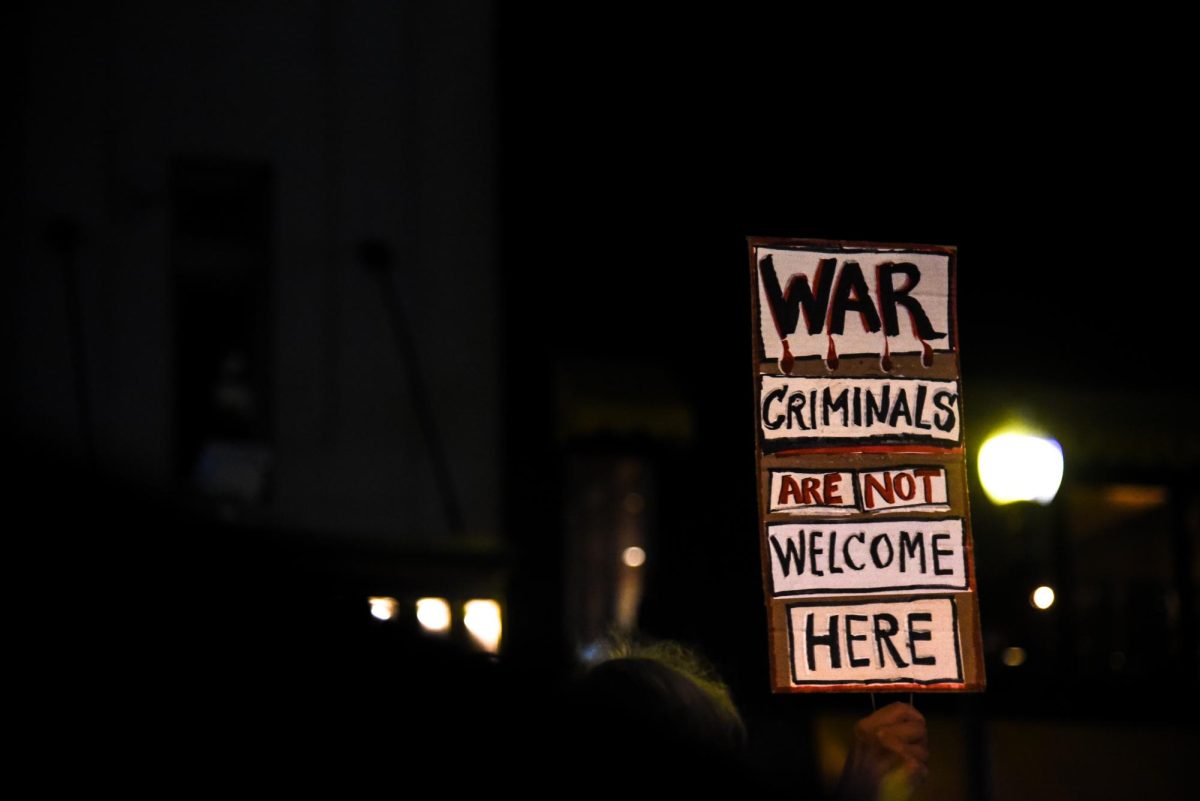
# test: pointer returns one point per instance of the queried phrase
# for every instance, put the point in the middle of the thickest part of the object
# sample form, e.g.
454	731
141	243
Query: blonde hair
681	659
658	706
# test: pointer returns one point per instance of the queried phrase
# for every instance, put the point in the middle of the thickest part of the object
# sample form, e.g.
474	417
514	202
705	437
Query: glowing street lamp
1015	466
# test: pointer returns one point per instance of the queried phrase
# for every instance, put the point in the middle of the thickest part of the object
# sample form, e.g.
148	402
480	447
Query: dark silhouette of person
662	715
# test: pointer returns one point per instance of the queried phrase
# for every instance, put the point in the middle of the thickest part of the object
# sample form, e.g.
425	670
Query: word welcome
880	556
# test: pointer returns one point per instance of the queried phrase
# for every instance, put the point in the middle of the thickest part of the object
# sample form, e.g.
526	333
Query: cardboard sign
868	566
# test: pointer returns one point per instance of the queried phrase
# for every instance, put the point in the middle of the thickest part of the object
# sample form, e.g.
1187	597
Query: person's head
658	709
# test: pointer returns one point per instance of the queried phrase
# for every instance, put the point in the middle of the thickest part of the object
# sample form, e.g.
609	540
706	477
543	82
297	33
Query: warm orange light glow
482	619
1013	657
383	608
1136	496
434	614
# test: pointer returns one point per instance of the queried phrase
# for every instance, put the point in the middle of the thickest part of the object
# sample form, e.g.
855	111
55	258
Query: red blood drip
831	358
885	361
927	356
786	360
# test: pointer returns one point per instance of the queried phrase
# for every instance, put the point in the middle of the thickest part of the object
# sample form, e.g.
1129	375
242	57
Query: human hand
889	756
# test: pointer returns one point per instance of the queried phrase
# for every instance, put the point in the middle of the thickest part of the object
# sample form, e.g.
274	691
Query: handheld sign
865	535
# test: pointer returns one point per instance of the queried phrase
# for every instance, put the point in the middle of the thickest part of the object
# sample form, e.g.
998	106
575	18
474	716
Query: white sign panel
859	409
849	303
912	640
839	558
829	492
911	488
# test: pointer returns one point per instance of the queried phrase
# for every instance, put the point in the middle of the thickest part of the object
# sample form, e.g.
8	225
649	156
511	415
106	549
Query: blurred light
1043	597
1020	467
1013	657
383	608
593	652
634	503
1134	496
482	619
634	556
433	614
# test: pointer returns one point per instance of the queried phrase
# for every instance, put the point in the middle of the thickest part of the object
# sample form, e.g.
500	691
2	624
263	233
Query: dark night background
319	301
